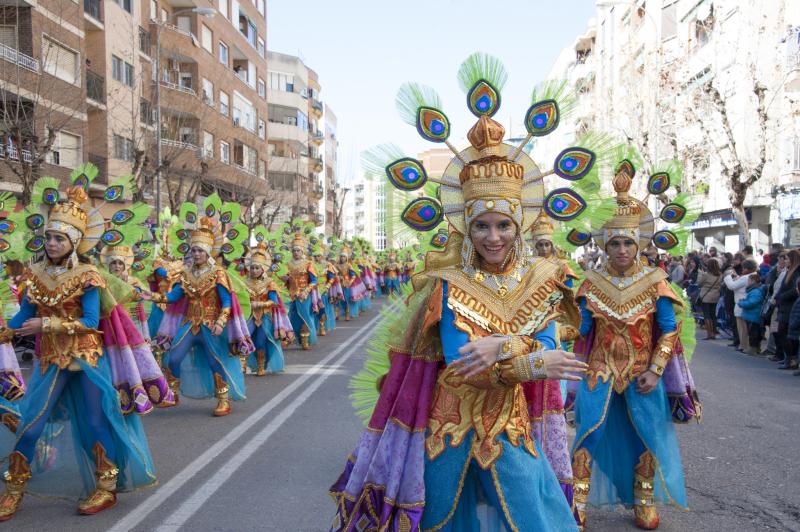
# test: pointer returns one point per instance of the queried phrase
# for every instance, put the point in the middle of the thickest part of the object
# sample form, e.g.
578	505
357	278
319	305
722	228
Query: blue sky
364	50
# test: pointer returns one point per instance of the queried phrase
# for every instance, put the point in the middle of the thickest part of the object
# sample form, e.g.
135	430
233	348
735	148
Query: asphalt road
268	465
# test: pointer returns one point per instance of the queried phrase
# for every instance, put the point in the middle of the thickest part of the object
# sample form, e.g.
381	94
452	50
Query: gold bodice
260	303
299	283
624	311
392	270
60	297
344	273
480	403
200	290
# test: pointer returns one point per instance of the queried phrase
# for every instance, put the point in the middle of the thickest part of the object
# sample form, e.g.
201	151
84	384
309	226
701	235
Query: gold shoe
174	384
644	509
17	477
582	475
646	517
221	392
243	359
261	360
304	342
103	497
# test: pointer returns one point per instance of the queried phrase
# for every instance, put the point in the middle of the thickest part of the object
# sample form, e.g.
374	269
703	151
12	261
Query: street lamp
207	12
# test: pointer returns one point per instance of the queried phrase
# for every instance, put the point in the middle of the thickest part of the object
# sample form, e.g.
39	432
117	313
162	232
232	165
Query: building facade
681	80
330	203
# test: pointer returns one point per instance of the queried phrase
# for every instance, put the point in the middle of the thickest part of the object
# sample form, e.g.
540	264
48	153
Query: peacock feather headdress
215	229
491	175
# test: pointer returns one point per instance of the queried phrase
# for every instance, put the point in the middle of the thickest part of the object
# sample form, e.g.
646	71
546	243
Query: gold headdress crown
260	255
628	212
122	253
346	251
70	213
299	241
543	228
204	235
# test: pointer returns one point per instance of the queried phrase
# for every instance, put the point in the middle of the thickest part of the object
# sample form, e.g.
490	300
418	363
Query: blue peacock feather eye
35	244
191	217
578	238
182	234
665	240
34	221
112	237
137	267
542	118
122	216
564	204
407	174
232	234
574	163
226	217
4	245
183	249
423	214
226	248
483	99
143	253
673	213
627	168
432	124
50	196
211	210
81	181
113	193
658	183
7	227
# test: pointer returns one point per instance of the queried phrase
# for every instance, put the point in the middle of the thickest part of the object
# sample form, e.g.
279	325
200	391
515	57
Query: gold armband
515	346
522	368
6	334
55	325
51	325
224	314
158	298
568	333
663	352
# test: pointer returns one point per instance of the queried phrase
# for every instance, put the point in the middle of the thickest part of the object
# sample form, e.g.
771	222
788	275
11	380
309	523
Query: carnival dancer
120	261
269	324
333	292
320	266
301	279
352	288
638	381
203	315
93	371
12	385
451	418
409	266
392	273
159	284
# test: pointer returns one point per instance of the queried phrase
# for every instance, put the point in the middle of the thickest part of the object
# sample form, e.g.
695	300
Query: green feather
128	184
212	205
241	229
234	209
684	236
672	167
411	97
693	205
260	233
87	169
560	91
41	184
7	202
603	146
8	302
481	66
186	209
174	241
623	152
240	289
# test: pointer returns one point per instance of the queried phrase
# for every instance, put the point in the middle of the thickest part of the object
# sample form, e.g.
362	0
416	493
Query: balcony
176	87
316	163
317	137
18	58
10	150
316	105
95	87
144	41
92	12
170	143
245	169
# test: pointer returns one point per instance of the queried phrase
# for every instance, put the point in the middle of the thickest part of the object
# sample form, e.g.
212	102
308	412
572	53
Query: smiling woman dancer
450	425
92	366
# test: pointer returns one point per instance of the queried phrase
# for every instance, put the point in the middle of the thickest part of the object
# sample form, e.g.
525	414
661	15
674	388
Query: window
146	112
261	6
66	150
262	129
123	148
124	4
60	62
208	145
262	88
224	152
282	180
122	71
185	25
207	39
796	155
262	169
224	103
669	21
8	35
223	9
208	92
280	81
185	80
153	10
223	53
262	47
244	114
164	15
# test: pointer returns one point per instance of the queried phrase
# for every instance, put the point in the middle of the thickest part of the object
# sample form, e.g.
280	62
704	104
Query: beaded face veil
491	175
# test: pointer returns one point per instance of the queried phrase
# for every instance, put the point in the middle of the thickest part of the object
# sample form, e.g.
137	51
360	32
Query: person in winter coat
784	298
793	332
751	312
709	282
738	285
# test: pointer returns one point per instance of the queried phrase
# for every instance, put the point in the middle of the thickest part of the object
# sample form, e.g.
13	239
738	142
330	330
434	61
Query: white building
644	68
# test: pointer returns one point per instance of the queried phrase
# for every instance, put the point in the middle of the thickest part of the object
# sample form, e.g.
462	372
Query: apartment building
331	188
296	139
87	70
43	122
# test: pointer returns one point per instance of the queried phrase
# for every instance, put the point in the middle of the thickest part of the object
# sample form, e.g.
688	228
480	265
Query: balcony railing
95	87
11	151
181	145
316	104
176	87
92	8
13	55
144	41
244	169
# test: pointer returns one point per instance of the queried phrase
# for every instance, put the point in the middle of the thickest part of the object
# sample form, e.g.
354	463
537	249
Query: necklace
501	284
